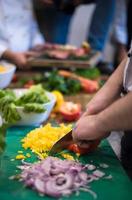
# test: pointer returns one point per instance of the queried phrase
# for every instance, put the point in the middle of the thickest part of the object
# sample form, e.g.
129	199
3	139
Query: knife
65	141
62	144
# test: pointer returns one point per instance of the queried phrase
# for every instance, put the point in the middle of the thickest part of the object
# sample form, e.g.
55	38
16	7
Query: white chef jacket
127	82
18	27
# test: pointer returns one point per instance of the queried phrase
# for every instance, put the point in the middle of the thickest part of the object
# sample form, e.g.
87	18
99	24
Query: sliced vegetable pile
55	177
41	140
31	101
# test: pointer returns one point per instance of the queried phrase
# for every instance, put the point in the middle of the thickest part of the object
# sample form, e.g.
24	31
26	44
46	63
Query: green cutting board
117	188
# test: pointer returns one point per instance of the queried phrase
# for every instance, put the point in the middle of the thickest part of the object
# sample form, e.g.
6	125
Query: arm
106	112
116	117
109	92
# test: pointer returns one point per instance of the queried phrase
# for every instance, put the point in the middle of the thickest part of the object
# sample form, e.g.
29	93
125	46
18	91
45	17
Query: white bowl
35	118
6	76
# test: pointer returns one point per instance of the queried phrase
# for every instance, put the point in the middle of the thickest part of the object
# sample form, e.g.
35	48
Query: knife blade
61	144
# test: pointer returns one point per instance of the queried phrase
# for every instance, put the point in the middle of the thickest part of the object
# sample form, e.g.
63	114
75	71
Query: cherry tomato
15	78
70	111
76	149
29	83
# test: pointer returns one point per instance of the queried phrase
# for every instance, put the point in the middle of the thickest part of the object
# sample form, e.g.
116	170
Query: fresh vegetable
66	84
34	107
3	128
20	157
15	78
41	140
59	100
88	85
36	94
79	150
29	84
56	178
70	111
53	81
31	101
91	73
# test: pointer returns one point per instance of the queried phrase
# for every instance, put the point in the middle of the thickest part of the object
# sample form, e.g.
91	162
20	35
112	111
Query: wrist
101	123
9	55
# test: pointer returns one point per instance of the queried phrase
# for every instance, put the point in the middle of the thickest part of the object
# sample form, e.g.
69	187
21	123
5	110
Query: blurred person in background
19	33
102	18
120	35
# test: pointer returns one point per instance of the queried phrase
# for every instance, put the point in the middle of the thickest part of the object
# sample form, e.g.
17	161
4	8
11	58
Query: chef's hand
88	128
18	58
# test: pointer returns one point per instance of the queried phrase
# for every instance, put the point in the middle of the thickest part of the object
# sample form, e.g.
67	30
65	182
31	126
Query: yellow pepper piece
67	156
59	100
20	157
20	152
28	155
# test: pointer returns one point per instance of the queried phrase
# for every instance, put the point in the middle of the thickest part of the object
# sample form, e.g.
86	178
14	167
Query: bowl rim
11	67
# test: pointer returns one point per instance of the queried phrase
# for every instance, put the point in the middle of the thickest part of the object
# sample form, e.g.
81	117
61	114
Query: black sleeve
89	1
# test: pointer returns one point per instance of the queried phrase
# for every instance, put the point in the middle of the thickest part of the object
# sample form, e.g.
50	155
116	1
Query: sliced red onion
39	185
91	167
83	176
91	178
104	165
98	173
29	182
56	178
49	190
108	177
89	191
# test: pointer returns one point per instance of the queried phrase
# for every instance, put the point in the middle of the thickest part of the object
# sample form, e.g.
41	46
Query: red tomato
70	111
89	86
76	149
29	83
15	78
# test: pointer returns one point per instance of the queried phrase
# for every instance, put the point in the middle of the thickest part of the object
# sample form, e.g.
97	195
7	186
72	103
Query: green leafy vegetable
53	81
31	101
34	107
34	95
3	130
91	73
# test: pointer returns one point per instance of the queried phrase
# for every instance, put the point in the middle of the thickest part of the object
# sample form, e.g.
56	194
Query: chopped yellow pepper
67	156
20	157
41	140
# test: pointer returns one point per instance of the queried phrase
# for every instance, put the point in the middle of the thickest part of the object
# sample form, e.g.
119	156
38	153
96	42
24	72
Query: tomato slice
70	111
76	149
